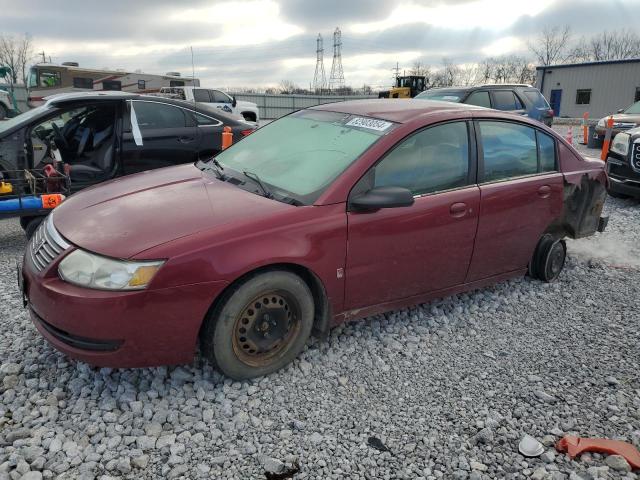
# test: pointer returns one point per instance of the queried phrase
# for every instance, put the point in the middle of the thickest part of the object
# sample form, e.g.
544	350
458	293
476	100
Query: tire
548	259
32	225
259	326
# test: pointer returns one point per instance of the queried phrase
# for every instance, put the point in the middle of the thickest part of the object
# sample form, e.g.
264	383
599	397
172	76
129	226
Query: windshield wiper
256	179
214	164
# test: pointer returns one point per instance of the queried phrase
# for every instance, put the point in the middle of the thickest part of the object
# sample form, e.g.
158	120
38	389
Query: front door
554	101
400	252
166	135
521	195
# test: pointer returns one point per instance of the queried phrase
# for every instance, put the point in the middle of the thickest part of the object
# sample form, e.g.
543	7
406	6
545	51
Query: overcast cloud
261	42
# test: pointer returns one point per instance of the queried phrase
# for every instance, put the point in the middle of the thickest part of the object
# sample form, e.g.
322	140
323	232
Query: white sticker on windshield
370	123
450	97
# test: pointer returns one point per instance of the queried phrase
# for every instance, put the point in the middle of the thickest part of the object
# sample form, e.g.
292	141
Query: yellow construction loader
406	87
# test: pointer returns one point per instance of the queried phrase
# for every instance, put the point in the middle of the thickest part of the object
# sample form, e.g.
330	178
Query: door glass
201	95
480	99
431	160
204	120
504	100
519	105
220	97
547	151
509	150
158	115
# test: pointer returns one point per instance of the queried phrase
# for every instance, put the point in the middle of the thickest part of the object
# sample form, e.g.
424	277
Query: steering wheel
59	136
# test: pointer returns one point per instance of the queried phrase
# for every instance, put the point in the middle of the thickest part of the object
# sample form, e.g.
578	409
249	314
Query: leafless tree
16	53
551	45
287	87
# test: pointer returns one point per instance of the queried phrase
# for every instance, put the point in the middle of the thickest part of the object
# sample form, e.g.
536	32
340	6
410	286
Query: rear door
165	135
221	100
521	195
396	253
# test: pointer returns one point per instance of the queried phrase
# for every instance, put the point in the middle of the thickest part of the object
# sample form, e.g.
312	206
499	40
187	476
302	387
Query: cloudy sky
261	42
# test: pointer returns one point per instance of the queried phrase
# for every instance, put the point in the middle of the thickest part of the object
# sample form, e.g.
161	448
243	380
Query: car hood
129	215
240	103
624	118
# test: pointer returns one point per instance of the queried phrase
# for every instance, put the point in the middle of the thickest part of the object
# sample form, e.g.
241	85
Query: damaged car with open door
326	215
94	137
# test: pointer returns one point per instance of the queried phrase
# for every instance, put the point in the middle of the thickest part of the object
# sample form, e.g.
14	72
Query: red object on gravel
574	446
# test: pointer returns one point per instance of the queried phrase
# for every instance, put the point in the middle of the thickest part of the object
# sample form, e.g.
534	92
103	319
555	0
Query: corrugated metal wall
275	106
613	86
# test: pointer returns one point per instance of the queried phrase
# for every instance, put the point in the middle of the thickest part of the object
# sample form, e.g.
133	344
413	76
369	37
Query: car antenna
195	107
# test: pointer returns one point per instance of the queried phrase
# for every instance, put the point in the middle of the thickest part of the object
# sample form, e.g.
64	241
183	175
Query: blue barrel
27	203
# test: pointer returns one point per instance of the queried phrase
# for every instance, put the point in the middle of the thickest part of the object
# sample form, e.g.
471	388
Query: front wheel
259	326
549	259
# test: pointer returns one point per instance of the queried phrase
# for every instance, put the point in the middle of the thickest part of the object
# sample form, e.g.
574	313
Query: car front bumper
622	179
142	328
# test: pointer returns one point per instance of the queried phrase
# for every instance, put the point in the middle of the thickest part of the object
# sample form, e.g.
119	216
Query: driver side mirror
381	197
235	102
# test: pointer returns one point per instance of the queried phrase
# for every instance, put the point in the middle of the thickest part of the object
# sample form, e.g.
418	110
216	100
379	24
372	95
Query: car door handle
458	210
185	139
544	191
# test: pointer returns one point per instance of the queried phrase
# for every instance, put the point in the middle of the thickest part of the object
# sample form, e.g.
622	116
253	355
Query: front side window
48	78
201	95
583	97
509	150
504	100
220	97
152	115
480	99
432	160
80	82
301	154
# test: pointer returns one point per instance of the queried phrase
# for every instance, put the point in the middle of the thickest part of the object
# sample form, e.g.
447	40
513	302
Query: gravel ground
444	390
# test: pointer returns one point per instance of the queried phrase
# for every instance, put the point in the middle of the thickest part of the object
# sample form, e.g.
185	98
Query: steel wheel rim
556	260
265	327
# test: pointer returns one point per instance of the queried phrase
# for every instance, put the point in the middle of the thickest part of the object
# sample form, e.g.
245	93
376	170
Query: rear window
504	100
535	97
442	95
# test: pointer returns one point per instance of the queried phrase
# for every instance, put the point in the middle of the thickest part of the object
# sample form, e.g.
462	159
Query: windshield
23	118
299	155
442	95
635	108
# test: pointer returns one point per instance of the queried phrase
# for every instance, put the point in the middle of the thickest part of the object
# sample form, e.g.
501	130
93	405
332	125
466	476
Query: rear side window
79	82
480	99
536	98
509	150
201	95
504	100
547	152
152	115
432	160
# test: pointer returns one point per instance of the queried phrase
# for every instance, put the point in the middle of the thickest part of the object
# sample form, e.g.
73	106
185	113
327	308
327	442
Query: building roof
590	64
394	110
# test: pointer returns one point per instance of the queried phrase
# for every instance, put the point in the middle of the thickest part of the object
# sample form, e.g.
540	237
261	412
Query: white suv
218	98
6	105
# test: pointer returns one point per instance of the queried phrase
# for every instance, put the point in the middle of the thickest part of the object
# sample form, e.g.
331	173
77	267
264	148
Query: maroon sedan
329	214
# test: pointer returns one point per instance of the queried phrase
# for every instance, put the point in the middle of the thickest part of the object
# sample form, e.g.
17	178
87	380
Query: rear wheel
549	259
259	326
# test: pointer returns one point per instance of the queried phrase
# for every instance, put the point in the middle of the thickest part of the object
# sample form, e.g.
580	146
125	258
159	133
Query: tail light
249	131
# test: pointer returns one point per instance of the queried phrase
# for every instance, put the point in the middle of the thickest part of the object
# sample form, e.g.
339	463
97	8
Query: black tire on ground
259	326
617	195
548	259
32	225
4	113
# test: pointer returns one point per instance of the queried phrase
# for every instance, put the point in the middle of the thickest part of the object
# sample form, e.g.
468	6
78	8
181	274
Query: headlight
93	271
621	144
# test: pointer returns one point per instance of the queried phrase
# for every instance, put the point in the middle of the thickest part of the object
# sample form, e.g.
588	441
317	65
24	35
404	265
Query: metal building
599	88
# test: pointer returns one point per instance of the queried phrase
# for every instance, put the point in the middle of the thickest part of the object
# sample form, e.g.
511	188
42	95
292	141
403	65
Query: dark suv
521	99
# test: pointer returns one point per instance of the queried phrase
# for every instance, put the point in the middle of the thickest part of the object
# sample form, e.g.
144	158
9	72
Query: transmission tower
319	79
336	80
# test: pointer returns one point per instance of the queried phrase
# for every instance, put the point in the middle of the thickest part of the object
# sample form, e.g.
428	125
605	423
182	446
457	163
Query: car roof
395	110
488	86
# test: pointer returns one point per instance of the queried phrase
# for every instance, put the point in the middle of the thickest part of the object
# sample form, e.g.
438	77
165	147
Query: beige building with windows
599	88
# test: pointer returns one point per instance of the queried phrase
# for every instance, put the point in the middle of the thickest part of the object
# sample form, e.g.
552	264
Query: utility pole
319	79
336	80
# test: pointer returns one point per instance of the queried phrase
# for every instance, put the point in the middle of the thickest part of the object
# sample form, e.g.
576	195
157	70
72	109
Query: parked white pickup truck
218	98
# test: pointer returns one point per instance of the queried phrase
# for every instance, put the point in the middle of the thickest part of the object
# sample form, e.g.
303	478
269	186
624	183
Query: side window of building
583	97
201	95
480	99
509	150
546	152
86	83
111	85
504	100
432	160
153	115
142	84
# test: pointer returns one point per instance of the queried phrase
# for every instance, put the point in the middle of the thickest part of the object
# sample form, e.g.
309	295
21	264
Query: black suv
521	99
623	164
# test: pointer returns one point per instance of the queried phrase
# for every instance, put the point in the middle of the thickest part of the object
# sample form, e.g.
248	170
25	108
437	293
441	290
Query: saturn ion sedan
327	215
